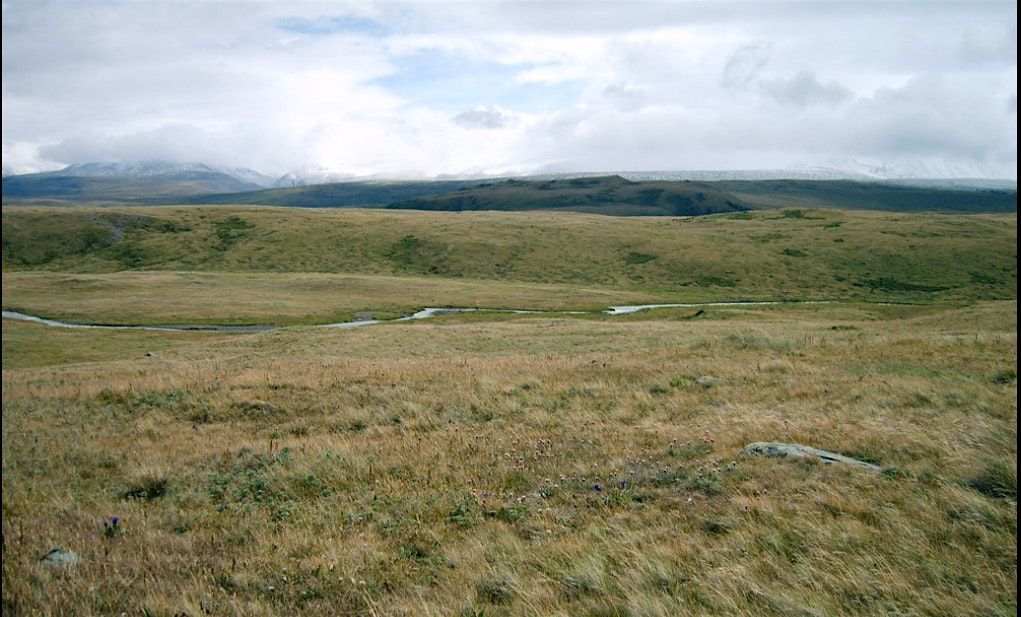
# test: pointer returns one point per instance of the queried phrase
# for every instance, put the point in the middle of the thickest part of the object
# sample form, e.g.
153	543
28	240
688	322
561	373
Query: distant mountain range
636	193
166	171
130	181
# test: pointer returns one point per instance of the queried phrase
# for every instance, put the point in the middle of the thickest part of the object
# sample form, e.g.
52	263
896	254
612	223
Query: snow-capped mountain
915	169
158	169
310	176
138	169
709	175
133	180
250	176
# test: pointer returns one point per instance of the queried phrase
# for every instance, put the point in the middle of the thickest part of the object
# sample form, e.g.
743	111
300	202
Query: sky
430	88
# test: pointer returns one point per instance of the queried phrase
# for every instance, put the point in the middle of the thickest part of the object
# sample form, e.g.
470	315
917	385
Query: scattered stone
149	354
59	557
793	450
708	382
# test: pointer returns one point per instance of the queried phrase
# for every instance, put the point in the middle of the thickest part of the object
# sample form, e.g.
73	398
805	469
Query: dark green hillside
335	195
600	195
851	195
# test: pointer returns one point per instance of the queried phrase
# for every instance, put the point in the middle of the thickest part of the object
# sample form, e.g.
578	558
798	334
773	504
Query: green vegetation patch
231	230
634	258
414	254
716	281
891	284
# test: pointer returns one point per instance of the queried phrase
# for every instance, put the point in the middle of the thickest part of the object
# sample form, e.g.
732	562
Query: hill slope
602	195
887	196
333	195
797	254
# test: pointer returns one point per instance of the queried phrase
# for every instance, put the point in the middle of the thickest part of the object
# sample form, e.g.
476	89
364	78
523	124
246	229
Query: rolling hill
891	196
774	254
600	195
333	195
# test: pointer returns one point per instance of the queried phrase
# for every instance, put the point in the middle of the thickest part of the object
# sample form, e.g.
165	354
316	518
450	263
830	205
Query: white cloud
484	118
404	89
745	65
804	89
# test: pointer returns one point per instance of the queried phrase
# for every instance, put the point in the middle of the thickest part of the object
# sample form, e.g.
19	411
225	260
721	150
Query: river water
426	313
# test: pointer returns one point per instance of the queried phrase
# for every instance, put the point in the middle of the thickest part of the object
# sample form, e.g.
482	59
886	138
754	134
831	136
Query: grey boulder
708	382
793	450
59	557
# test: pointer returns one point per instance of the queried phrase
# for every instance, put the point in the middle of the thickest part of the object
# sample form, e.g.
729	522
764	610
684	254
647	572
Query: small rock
59	557
149	354
784	450
707	382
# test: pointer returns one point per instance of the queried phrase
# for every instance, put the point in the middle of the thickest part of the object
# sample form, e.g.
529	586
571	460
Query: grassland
484	464
274	298
28	345
450	467
485	259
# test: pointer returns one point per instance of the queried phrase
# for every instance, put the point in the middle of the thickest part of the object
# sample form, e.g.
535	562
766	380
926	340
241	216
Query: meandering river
426	313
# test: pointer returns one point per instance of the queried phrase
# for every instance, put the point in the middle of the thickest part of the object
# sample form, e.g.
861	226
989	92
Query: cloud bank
417	90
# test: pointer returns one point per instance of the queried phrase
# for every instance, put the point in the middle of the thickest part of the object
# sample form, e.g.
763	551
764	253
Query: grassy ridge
336	194
795	254
602	195
851	195
614	195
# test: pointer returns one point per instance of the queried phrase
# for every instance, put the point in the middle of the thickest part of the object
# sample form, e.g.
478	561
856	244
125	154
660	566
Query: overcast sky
416	90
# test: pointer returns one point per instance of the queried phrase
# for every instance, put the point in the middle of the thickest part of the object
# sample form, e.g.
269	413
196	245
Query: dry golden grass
261	297
450	467
27	345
